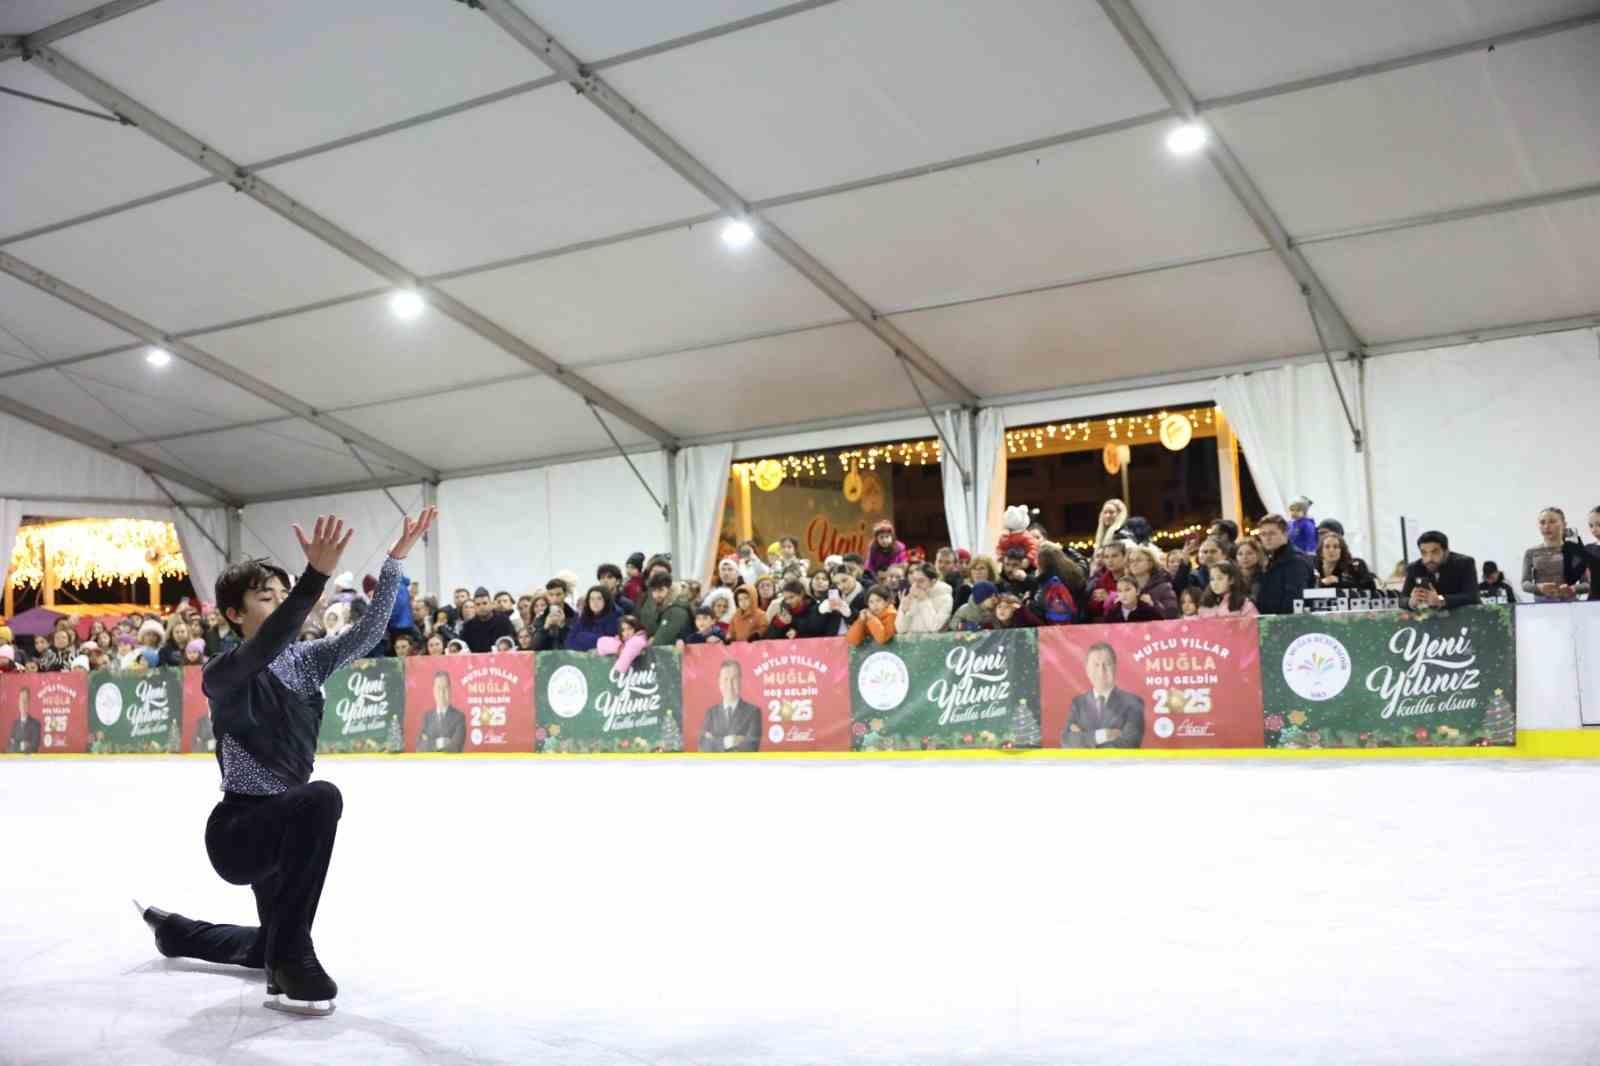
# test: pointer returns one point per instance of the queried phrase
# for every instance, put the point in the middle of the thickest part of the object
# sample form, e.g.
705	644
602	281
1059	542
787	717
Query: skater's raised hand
413	532
327	542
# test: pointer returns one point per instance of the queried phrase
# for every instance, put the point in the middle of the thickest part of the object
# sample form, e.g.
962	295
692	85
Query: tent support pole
187	514
1333	372
949	449
666	512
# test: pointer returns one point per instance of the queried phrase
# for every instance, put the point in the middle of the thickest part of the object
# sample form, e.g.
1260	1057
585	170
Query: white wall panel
34	324
42	463
277	458
268	529
851	90
595	31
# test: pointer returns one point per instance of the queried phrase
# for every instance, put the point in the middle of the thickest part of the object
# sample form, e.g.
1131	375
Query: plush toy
1016	535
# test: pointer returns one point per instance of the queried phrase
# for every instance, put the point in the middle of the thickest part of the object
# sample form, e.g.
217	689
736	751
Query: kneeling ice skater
274	828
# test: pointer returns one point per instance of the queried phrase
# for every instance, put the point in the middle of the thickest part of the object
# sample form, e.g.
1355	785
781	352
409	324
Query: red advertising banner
45	713
771	696
469	703
1184	684
197	733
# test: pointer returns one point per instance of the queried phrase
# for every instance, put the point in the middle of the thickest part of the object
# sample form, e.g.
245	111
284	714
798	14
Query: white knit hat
152	626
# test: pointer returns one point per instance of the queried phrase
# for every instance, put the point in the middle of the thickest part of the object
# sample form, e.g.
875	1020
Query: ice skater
274	828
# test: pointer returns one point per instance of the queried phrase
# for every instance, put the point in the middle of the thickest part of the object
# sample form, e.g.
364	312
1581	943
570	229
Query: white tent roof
980	183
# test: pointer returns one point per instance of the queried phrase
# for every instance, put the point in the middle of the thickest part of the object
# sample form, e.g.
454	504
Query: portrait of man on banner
444	728
1105	716
732	723
205	737
26	729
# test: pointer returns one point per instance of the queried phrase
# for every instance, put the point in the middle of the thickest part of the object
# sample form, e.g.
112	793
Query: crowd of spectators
777	594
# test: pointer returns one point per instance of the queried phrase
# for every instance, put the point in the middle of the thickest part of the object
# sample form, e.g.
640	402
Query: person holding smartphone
846	599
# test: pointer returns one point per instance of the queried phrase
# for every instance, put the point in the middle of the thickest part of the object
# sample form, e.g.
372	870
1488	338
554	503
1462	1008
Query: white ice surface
675	912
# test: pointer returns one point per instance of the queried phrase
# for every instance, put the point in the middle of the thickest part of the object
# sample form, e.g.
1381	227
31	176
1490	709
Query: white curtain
702	476
958	512
206	560
989	479
1293	431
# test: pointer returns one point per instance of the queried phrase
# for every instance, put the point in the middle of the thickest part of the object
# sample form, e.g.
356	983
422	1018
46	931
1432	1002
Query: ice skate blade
312	1008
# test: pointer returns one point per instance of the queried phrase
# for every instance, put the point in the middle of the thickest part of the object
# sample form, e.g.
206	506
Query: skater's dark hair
242	578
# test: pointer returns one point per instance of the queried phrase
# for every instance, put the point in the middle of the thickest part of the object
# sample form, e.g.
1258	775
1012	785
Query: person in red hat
886	551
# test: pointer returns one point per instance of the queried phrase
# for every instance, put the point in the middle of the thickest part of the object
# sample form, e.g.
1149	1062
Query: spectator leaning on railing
1285	572
1441	577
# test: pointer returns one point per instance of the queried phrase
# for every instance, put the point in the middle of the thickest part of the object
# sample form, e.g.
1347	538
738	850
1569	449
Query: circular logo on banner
775	734
1317	667
108	704
1164	728
568	691
883	681
477	737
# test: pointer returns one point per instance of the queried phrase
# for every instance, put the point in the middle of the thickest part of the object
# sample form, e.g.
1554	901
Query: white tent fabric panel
702	482
98	164
1475	440
378	356
1114	203
871	88
267	529
1469	130
196	260
568	306
266	459
35	325
958	506
1431	280
513	420
1294	436
1107	402
869	431
1293	39
515	531
42	463
114	399
299	72
30	16
820	373
560	173
594	31
1238	310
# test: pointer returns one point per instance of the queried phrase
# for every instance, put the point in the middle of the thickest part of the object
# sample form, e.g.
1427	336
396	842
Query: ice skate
301	986
155	918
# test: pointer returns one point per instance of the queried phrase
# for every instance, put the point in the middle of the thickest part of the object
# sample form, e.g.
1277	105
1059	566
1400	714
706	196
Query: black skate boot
299	985
156	919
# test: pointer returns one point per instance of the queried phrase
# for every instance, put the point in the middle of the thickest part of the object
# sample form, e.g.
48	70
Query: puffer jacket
926	614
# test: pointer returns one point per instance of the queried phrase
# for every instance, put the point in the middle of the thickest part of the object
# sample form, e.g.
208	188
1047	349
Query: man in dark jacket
610	575
486	626
1441	578
667	620
1285	573
1105	716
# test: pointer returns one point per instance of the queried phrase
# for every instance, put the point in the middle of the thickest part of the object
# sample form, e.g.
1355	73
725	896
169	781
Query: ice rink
675	912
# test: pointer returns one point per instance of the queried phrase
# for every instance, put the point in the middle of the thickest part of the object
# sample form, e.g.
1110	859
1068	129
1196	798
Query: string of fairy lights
1119	429
818	464
96	551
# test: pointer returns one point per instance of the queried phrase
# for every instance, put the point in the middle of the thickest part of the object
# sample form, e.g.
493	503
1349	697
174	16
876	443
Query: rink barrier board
889	696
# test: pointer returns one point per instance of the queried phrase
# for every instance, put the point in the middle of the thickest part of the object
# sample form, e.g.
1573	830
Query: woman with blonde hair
1113	516
983	568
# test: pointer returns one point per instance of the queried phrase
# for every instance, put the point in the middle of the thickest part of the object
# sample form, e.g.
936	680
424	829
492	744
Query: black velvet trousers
280	846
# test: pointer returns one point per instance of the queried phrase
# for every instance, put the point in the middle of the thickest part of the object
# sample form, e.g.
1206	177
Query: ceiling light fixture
737	234
406	304
158	357
1188	138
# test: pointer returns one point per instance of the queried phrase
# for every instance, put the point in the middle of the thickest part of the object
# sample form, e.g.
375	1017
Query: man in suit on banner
1105	716
444	728
205	736
26	731
732	724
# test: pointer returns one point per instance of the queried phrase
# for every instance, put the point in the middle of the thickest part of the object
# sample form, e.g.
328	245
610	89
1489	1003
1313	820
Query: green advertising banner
135	712
1389	679
365	708
583	704
952	690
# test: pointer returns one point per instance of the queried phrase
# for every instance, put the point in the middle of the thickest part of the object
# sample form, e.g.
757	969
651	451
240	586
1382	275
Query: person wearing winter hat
8	659
977	612
886	551
194	653
80	663
633	587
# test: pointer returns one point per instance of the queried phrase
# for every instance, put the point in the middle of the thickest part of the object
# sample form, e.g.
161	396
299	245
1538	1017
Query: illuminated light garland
1122	429
96	551
1180	535
816	464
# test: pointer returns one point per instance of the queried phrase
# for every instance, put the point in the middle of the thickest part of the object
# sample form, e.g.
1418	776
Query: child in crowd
1228	595
720	602
877	620
1189	601
1128	607
194	653
1302	528
630	640
705	628
978	612
749	620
